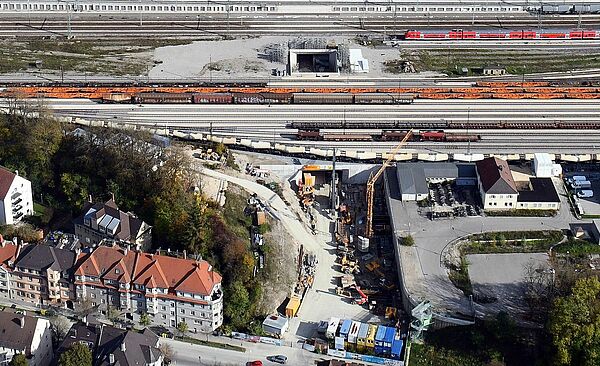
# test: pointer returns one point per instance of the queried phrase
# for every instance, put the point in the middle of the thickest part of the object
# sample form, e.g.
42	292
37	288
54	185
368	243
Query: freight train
443	124
521	34
436	136
258	98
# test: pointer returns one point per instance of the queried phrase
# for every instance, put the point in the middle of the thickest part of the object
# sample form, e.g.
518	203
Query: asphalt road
421	266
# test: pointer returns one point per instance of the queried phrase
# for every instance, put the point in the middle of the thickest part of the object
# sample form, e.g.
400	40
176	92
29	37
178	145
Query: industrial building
414	178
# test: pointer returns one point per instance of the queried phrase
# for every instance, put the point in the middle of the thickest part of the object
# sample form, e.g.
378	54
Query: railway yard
376	134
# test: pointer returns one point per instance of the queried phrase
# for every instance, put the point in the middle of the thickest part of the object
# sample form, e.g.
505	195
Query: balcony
15	196
17	208
17	216
16	202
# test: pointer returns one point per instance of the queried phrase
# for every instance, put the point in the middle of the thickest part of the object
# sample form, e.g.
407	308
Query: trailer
332	327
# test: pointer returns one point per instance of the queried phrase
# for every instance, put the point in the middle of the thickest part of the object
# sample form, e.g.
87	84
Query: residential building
539	195
496	184
31	336
104	221
123	347
171	290
16	197
87	334
113	346
8	255
42	275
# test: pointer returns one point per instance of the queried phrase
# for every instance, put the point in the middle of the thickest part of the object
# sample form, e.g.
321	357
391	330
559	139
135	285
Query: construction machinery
373	179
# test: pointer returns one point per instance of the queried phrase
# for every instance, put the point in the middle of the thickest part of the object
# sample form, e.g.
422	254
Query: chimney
184	254
16	172
85	320
123	348
22	322
126	250
112	196
90	199
111	359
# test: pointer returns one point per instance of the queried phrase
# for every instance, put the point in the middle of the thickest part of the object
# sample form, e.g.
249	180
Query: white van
581	184
585	193
578	177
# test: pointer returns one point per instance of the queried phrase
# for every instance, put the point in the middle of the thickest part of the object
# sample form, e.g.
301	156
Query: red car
254	363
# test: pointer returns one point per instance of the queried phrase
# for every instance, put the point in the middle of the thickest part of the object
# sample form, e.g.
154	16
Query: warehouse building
414	178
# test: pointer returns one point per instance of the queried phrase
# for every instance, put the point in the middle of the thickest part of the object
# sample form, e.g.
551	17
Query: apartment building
31	336
171	290
16	197
496	185
42	275
104	221
8	255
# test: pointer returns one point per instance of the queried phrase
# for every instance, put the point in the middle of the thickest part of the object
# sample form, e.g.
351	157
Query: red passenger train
522	34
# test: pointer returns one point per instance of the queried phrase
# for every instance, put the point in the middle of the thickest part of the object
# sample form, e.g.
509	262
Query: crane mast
373	179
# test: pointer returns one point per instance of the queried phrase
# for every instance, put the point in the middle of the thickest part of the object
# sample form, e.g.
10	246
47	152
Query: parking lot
448	200
586	205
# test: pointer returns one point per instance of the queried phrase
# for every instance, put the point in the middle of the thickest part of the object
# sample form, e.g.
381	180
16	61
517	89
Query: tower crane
373	179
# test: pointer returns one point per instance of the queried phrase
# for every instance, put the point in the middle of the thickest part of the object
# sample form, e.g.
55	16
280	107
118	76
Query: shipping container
292	307
361	339
353	333
345	328
332	327
390	333
380	339
397	344
116	98
370	341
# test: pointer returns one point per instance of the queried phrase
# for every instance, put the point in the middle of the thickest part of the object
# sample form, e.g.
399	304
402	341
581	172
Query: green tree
145	320
182	327
75	188
77	355
574	324
408	240
112	314
18	360
237	304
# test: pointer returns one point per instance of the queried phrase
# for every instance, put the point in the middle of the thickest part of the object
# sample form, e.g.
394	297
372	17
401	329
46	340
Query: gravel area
243	58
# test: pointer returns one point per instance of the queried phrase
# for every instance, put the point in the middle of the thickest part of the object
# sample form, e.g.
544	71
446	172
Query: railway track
221	26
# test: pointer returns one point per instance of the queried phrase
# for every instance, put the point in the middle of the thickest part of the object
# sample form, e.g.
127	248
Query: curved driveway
424	275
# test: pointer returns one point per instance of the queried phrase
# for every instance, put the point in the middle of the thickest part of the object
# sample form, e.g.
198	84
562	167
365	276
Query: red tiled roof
150	270
8	253
6	179
495	176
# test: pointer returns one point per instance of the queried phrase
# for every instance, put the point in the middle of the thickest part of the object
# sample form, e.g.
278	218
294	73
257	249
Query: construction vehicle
373	179
362	297
306	189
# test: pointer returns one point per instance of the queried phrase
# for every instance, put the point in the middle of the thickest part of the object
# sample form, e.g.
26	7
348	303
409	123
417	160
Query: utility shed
275	325
390	332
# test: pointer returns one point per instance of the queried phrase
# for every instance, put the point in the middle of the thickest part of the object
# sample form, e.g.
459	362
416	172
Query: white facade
542	165
538	205
501	202
18	201
40	347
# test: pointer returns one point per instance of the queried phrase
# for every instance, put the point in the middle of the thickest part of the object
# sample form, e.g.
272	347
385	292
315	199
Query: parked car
254	363
585	193
278	359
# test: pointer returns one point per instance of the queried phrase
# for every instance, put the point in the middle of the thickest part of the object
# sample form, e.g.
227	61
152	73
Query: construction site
366	273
